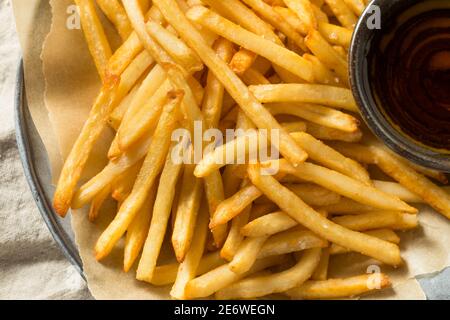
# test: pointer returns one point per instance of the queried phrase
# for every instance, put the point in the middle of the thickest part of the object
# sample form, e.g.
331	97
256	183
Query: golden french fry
304	10
232	83
276	20
291	241
347	206
234	238
357	6
321	272
242	61
251	41
330	158
335	34
97	203
78	156
336	97
221	277
115	118
137	232
384	234
344	15
415	182
327	55
151	168
297	209
95	37
247	254
166	274
122	186
346	186
278	282
188	268
160	218
297	126
317	114
314	195
115	12
326	133
322	74
378	220
340	288
268	225
253	77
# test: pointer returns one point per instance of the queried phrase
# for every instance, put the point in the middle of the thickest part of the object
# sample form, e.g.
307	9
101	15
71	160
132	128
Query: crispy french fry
321	272
76	161
276	20
415	182
292	19
384	234
378	220
342	13
160	218
306	93
357	6
254	77
242	61
122	186
221	277
268	225
97	203
166	274
326	133
115	12
297	126
137	232
115	118
234	238
315	195
188	268
251	41
95	37
335	34
340	288
151	168
291	241
320	225
247	254
232	83
278	282
317	114
304	10
347	206
322	74
326	54
346	186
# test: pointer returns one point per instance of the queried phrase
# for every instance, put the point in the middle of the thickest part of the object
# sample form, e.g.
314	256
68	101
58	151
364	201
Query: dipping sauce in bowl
400	77
411	75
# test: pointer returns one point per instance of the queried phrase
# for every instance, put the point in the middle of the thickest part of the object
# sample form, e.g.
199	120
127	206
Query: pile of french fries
237	233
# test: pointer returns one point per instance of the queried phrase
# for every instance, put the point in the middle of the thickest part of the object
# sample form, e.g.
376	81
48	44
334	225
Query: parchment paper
71	85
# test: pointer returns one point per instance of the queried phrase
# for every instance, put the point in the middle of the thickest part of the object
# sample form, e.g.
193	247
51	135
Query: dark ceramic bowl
365	36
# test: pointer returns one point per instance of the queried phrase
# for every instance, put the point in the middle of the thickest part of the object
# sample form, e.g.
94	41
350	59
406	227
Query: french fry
340	288
137	232
234	238
277	21
306	93
153	163
346	186
320	225
97	203
112	171
314	195
378	220
122	186
330	158
166	274
297	126
347	206
357	6
115	118
268	225
303	9
321	272
117	15
278	282
232	83
254	77
326	133
342	13
160	218
221	277
234	205
247	254
292	19
186	213
415	182
188	268
327	55
251	41
384	234
291	241
76	161
242	61
95	37
322	74
335	34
